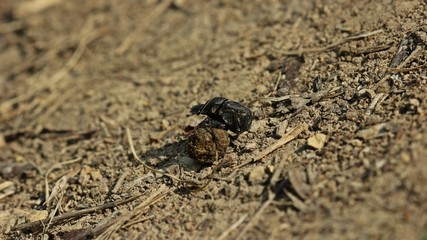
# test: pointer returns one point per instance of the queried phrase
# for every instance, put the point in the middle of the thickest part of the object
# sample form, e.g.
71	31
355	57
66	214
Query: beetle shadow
171	157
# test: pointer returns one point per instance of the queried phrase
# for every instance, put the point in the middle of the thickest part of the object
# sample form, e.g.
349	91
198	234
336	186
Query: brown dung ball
208	144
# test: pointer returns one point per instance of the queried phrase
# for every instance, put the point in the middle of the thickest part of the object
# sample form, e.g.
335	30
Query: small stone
414	102
351	115
96	175
208	144
37	215
355	142
261	89
372	132
251	146
259	126
256	175
298	180
270	169
406	157
2	141
317	141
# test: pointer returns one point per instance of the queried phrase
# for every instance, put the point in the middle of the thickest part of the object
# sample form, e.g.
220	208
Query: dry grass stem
120	181
235	225
54	167
332	45
257	215
291	135
34	226
406	70
132	148
59	187
271	195
377	100
136	214
53	213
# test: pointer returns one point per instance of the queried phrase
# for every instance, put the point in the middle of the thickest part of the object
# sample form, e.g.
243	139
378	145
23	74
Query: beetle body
225	114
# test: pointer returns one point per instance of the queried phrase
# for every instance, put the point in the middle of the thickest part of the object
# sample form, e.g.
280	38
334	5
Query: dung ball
207	144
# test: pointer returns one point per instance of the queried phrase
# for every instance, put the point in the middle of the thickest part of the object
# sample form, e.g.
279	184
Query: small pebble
317	141
256	175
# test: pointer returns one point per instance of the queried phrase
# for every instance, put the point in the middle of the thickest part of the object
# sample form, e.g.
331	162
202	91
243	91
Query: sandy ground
83	81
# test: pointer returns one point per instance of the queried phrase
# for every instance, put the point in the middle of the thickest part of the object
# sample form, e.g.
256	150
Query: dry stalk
35	225
400	69
132	149
291	135
405	70
377	100
54	167
53	213
332	45
271	195
135	215
58	188
138	221
232	227
120	181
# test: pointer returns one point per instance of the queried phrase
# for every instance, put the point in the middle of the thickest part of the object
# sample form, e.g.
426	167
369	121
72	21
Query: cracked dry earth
77	78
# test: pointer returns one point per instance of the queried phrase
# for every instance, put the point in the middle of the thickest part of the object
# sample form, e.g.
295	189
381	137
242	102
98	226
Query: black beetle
225	114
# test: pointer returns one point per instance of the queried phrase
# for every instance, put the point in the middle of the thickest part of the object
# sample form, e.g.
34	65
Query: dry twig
54	167
53	213
132	149
271	195
377	100
332	45
136	215
291	135
59	187
232	227
34	226
405	70
120	181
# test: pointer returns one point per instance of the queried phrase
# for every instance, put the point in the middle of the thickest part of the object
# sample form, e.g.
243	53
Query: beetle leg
210	123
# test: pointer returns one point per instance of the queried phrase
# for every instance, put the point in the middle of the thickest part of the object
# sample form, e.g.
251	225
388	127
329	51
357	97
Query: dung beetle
225	114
